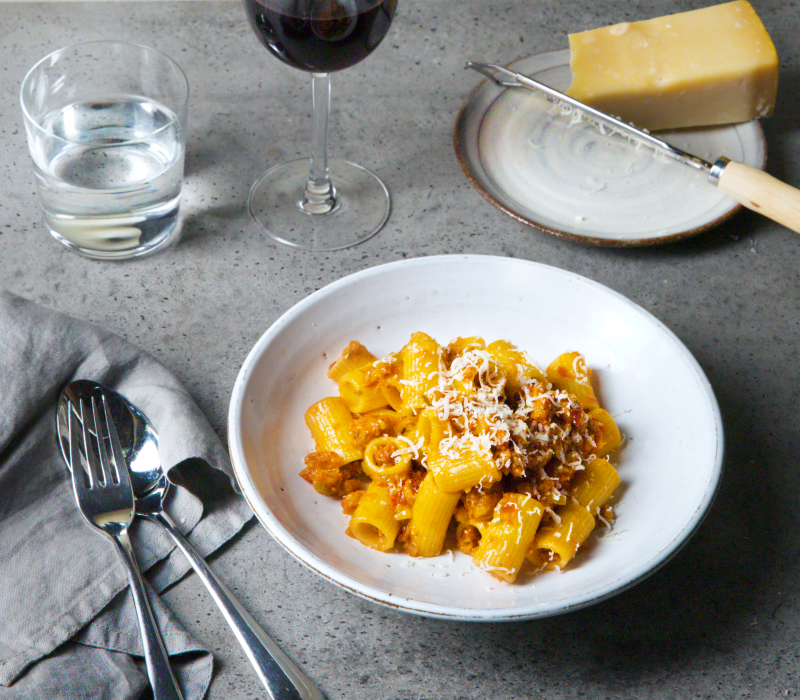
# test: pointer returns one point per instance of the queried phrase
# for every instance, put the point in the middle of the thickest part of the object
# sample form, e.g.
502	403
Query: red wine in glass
317	204
335	36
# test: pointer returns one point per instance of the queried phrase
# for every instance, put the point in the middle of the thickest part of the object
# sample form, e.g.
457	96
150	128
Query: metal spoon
280	676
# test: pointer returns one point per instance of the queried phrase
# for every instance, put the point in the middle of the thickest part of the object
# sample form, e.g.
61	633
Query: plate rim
460	149
435	610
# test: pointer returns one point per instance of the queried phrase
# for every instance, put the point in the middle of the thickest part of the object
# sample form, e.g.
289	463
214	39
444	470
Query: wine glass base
362	206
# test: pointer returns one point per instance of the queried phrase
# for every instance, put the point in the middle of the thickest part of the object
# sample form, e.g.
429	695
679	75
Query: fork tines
99	470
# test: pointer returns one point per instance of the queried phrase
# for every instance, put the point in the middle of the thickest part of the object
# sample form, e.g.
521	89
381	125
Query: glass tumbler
106	126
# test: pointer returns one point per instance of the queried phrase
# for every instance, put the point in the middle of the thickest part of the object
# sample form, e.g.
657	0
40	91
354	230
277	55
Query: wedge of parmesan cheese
716	65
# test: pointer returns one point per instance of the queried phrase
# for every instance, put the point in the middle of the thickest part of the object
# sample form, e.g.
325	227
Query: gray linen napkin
67	619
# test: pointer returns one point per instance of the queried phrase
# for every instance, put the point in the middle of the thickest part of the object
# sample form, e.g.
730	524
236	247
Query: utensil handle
279	674
761	192
162	680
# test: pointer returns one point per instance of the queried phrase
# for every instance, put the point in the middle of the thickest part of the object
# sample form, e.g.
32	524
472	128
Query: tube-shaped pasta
461	345
569	373
431	428
418	431
467	537
390	371
507	538
360	389
329	421
392	391
387	456
354	356
514	364
460	467
605	430
555	545
373	522
594	484
420	371
430	518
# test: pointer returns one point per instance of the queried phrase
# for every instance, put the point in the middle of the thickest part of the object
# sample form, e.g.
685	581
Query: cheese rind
716	65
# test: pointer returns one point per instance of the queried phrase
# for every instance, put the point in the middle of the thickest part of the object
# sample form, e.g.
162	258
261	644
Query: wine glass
322	204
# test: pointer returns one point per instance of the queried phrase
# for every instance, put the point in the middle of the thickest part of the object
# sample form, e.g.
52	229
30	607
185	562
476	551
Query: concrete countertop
721	620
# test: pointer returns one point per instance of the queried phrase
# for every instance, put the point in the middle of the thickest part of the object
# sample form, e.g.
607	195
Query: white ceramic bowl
670	464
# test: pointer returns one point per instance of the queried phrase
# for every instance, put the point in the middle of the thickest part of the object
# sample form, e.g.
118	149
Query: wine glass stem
319	196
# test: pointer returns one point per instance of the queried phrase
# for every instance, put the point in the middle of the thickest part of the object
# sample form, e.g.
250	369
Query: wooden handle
761	192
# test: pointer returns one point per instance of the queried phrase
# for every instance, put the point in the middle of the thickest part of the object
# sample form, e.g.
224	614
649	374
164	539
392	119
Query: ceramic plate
572	181
646	378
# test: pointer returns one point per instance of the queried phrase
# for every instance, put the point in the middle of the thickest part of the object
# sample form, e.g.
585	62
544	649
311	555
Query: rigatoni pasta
430	518
471	441
506	539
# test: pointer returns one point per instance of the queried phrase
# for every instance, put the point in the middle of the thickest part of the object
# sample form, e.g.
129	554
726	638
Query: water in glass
110	172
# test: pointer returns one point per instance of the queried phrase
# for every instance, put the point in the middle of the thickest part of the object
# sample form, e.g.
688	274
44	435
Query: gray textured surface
721	620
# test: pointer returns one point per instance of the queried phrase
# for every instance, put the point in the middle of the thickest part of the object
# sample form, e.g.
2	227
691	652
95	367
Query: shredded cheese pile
536	433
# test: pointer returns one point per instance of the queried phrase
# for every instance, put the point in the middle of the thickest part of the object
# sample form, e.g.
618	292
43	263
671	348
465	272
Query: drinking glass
106	126
320	204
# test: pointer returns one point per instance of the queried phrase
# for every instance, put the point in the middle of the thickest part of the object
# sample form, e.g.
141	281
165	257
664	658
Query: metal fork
105	499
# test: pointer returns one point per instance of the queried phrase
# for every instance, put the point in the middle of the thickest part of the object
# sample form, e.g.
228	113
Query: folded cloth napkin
69	625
